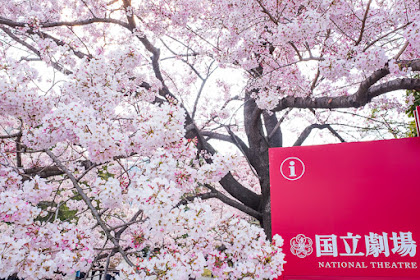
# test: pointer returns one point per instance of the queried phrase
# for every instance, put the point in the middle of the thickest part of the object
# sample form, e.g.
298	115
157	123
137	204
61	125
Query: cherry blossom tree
113	111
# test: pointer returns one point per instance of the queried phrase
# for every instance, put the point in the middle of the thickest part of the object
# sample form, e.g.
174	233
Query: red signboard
349	209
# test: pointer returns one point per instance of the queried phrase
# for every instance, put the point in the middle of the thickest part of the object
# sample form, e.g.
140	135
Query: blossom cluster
42	251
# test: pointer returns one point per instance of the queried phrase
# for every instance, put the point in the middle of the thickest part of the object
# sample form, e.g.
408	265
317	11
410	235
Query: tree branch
88	202
43	172
216	194
132	220
336	134
385	35
59	42
280	121
200	91
363	23
12	23
18	134
274	133
18	142
232	138
34	50
265	11
309	129
244	195
364	95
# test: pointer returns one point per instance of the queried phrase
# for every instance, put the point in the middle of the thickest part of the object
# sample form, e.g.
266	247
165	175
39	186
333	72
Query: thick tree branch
366	92
309	129
229	183
130	16
274	134
54	170
43	172
233	139
12	23
336	134
18	134
244	195
352	101
217	136
253	124
216	194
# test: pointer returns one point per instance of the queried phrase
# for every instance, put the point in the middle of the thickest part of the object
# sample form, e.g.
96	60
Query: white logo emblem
292	168
301	246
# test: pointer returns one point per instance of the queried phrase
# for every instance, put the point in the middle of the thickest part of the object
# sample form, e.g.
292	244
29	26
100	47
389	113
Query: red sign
349	209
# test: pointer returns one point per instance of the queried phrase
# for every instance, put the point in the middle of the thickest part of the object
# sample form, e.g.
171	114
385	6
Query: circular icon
301	246
292	168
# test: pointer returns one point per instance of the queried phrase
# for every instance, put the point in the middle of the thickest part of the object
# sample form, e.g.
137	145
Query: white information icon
292	168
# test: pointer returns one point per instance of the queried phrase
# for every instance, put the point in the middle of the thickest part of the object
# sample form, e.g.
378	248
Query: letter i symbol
292	169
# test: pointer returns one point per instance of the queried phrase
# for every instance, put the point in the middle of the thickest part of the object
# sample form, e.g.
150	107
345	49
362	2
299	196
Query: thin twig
363	23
